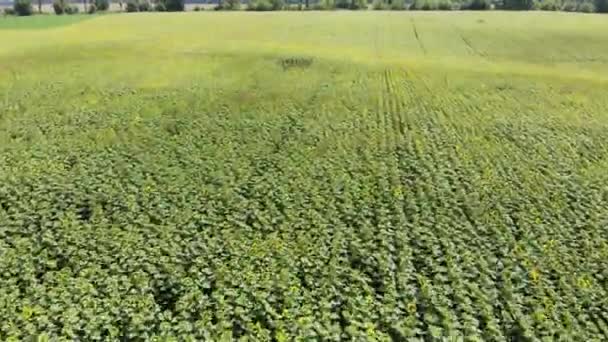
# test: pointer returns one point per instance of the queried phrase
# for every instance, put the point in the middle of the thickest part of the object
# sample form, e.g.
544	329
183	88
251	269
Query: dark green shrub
477	5
585	7
23	7
277	5
259	5
397	5
197	8
351	4
344	4
601	6
328	4
424	5
569	6
174	5
379	5
358	5
92	9
232	5
325	5
59	7
444	5
416	5
228	5
292	7
102	5
547	5
9	11
132	6
519	5
69	9
160	7
144	6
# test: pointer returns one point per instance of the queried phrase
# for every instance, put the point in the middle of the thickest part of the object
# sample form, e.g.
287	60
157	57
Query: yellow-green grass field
310	176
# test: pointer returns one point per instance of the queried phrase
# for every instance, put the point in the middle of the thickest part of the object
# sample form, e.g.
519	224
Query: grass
331	176
39	22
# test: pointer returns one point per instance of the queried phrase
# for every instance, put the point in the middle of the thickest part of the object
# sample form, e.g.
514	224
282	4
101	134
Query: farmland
304	176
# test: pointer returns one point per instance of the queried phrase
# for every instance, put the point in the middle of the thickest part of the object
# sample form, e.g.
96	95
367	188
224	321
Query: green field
305	176
38	22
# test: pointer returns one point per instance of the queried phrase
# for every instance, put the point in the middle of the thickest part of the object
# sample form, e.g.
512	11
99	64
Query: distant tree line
25	7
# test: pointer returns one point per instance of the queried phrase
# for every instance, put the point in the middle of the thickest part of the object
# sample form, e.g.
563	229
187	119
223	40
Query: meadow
304	176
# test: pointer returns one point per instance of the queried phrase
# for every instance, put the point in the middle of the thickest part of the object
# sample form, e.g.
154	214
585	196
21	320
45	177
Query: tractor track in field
409	157
420	43
470	46
404	264
425	165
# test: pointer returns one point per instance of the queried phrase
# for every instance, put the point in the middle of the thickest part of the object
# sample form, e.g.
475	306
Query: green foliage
293	7
59	6
63	7
174	5
23	7
477	5
260	5
325	5
583	7
197	8
102	5
144	6
9	11
586	7
228	5
424	5
92	9
569	6
351	4
160	7
343	4
71	9
547	5
397	5
132	6
378	177
379	5
520	5
232	4
277	5
601	6
358	5
444	5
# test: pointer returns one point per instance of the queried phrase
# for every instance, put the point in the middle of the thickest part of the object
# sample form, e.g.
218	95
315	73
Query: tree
477	5
102	5
59	7
358	4
601	6
232	4
23	7
519	4
174	5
